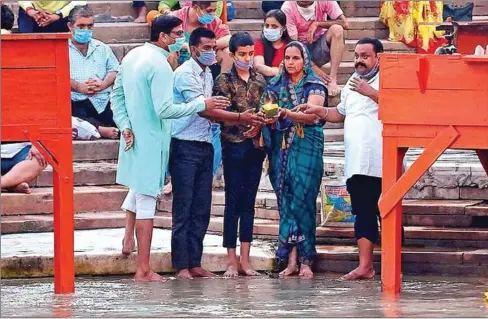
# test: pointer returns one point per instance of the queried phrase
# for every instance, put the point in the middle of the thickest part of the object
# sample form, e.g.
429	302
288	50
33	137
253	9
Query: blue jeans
191	171
9	163
138	4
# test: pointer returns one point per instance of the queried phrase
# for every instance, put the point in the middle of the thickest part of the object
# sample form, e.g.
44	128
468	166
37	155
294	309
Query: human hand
128	138
321	74
361	86
48	19
34	153
84	88
217	102
310	109
95	85
35	14
311	31
253	131
250	118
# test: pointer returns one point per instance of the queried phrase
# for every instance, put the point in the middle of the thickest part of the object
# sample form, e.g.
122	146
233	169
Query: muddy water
258	297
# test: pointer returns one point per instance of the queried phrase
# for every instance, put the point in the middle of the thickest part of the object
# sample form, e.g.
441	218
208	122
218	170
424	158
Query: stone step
97	252
86	199
98	150
437	213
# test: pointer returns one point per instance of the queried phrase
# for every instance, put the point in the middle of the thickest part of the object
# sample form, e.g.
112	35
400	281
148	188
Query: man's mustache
360	64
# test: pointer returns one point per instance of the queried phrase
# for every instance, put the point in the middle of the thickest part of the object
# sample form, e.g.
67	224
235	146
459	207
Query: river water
324	296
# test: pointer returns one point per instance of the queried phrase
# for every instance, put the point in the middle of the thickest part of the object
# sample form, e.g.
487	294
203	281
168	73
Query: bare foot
168	189
291	270
305	272
141	15
128	246
231	272
184	274
200	272
22	188
108	132
149	276
360	273
247	270
333	88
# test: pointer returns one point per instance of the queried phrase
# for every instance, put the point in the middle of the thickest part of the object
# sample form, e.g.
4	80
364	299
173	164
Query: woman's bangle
326	114
286	114
238	117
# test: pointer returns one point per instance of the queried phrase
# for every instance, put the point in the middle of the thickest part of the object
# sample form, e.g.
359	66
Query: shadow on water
245	297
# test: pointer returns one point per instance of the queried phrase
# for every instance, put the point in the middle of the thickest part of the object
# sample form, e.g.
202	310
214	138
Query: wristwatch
59	13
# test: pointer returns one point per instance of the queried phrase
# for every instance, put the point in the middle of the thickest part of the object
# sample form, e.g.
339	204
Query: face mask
82	35
207	57
175	47
272	34
307	13
371	73
241	65
206	18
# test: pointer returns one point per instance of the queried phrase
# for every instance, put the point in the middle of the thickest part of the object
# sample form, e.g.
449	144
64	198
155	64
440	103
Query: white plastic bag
82	130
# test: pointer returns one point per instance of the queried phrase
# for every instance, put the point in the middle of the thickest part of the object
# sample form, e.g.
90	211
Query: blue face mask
176	47
241	65
206	18
207	58
272	35
82	35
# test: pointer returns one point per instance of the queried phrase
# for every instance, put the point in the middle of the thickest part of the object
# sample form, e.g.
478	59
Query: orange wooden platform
434	102
36	107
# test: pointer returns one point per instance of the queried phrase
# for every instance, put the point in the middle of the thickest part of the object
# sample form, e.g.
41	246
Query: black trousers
191	168
86	111
243	165
28	25
365	194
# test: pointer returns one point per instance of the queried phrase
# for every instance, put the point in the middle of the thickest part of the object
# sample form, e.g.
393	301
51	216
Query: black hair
377	45
80	12
202	4
7	18
269	51
240	39
199	33
163	24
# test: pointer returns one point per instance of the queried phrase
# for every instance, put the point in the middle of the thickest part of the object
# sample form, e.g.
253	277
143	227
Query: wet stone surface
243	297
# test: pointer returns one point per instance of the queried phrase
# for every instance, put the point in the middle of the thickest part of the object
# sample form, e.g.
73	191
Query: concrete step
267	219
98	150
86	199
97	252
85	174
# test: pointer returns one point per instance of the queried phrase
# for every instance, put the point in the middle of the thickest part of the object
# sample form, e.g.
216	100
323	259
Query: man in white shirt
21	163
363	144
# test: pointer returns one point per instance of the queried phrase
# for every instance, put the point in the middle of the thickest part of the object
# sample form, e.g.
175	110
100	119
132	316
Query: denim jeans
243	165
191	172
28	25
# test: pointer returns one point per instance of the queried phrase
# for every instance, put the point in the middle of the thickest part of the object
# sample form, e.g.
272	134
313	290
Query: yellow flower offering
270	110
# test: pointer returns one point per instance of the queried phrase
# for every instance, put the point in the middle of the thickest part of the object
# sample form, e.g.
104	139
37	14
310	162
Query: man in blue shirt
191	159
93	68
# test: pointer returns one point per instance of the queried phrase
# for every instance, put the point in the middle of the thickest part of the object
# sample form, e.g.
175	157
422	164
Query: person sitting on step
320	26
141	10
21	163
93	68
45	16
203	14
7	19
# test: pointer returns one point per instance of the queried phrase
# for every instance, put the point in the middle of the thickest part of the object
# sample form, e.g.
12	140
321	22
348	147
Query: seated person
308	22
21	163
203	14
267	6
141	10
7	19
270	50
45	16
93	68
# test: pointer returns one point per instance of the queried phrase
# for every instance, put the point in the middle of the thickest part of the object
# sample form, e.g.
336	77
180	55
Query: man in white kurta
363	145
142	103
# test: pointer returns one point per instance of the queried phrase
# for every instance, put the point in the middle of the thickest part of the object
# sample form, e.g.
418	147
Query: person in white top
363	144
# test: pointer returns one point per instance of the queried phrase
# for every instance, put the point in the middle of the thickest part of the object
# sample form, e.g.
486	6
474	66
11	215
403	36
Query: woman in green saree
295	145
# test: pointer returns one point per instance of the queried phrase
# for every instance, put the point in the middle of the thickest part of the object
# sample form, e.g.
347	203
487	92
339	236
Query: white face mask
307	13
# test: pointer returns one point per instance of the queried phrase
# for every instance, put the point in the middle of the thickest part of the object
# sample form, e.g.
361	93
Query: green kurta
142	100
